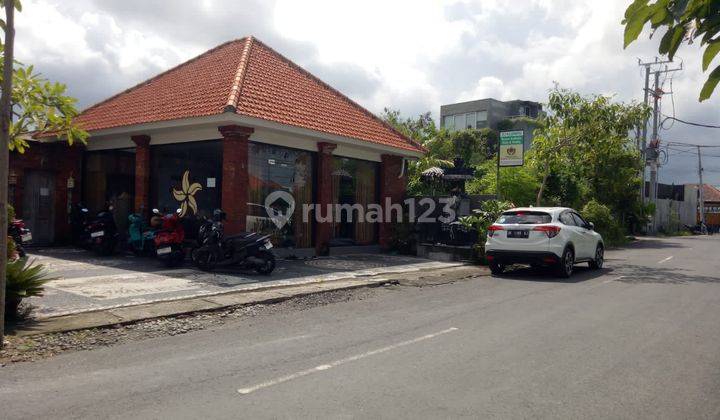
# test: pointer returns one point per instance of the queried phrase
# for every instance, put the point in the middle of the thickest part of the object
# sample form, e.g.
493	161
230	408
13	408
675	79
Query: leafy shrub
10	213
605	223
11	248
24	279
482	218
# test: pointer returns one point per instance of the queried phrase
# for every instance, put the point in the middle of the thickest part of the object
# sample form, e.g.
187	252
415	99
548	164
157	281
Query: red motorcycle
170	241
20	235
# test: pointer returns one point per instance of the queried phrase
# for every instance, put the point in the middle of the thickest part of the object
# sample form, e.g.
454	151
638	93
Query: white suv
541	236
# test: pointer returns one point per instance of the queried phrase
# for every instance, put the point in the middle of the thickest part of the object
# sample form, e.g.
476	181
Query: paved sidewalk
261	293
87	283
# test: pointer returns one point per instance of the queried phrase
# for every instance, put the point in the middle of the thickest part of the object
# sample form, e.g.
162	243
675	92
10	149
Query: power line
677	143
688	123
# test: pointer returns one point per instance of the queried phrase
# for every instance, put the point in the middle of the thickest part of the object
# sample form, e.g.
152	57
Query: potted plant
24	279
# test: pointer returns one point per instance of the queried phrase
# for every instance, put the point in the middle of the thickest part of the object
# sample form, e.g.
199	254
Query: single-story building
242	121
711	199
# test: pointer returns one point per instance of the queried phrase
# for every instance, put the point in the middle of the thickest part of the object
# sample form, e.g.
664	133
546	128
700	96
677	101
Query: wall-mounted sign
186	195
211	182
44	192
512	148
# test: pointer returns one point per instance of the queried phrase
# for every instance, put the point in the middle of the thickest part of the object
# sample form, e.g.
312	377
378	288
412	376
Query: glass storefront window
274	168
203	162
354	182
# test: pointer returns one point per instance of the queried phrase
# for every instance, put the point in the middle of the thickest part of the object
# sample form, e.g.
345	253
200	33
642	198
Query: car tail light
492	229
550	231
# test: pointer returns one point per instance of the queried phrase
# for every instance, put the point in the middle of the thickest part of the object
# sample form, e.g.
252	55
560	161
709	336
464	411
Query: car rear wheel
567	263
597	263
497	268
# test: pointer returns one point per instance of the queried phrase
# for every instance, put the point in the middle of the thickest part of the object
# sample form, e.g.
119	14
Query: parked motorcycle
141	239
20	235
170	241
103	233
247	250
79	221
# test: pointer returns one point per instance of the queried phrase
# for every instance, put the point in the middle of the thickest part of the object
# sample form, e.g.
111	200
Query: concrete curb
129	314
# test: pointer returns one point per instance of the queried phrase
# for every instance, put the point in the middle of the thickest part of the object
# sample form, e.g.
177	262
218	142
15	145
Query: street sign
512	148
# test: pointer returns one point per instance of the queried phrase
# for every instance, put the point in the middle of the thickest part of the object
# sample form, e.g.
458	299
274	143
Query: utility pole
702	189
650	153
642	141
654	144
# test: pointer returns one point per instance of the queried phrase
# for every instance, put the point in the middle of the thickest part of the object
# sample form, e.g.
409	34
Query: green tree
587	137
29	106
518	185
419	129
684	20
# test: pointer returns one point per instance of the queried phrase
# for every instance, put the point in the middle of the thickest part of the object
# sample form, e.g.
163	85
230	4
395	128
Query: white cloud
404	54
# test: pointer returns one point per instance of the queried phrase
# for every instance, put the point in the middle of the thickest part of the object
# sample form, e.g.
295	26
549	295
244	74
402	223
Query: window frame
565	214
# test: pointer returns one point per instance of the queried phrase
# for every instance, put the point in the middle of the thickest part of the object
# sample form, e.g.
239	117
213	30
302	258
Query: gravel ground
32	348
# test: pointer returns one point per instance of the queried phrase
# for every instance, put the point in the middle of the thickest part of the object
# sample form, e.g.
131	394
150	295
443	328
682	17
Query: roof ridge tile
236	87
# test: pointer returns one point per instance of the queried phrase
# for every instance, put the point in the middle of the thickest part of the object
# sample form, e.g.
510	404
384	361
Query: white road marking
665	259
282	379
612	280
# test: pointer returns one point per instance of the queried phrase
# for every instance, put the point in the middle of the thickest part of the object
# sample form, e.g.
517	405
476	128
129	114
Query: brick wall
393	188
62	161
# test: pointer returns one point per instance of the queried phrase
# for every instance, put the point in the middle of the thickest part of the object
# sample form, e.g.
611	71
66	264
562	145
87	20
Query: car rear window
524	218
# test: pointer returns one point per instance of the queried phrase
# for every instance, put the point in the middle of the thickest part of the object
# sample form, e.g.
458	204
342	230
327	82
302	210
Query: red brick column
69	166
392	191
142	173
323	231
235	178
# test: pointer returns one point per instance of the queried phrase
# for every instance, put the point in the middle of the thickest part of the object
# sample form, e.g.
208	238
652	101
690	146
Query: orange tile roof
711	193
251	79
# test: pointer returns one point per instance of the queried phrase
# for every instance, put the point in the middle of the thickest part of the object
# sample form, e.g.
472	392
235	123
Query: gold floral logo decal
186	196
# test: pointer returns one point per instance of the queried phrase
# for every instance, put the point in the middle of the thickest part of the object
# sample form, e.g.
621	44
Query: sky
412	55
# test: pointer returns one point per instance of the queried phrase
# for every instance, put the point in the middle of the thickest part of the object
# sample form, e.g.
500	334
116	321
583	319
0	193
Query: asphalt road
639	339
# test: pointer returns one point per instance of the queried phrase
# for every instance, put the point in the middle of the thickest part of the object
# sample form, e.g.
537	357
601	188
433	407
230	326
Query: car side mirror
590	225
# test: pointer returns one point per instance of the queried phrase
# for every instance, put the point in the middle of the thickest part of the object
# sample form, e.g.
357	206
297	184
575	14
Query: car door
575	235
586	235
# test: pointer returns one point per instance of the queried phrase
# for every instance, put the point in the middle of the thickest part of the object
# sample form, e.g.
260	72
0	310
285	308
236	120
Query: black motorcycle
103	233
247	250
79	223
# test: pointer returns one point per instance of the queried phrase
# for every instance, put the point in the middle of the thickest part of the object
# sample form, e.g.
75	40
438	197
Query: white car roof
551	210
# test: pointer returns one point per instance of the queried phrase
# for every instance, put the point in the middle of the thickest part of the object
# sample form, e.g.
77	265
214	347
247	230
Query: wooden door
39	206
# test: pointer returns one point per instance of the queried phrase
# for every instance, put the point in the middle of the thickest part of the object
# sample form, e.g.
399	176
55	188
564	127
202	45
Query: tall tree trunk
538	200
5	120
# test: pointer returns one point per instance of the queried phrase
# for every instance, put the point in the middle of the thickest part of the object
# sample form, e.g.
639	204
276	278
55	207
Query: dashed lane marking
665	259
327	366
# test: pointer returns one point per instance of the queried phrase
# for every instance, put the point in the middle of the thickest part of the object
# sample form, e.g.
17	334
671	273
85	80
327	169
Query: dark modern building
489	112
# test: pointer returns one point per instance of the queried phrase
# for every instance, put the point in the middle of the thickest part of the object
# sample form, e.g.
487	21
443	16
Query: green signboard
511	148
